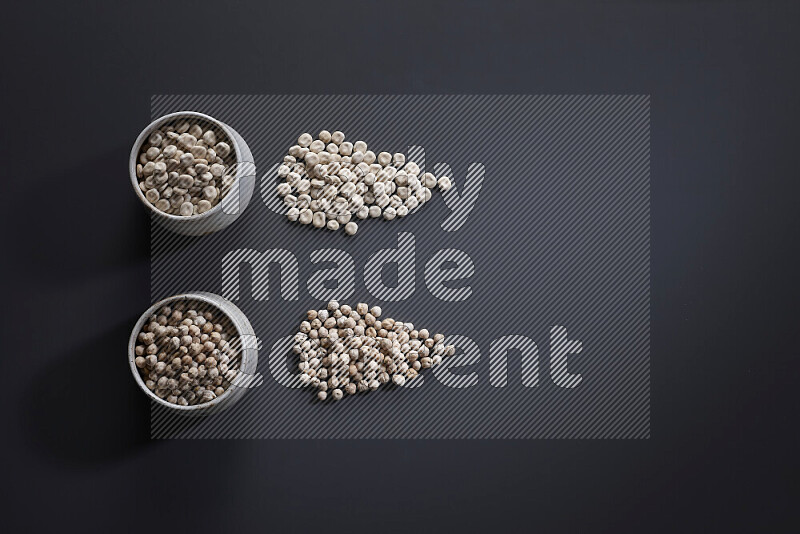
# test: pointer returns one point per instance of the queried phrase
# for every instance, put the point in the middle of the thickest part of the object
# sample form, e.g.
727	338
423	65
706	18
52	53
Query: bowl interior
194	118
200	303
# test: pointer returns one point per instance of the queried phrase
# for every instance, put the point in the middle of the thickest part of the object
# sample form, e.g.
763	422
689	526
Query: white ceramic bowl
232	204
248	353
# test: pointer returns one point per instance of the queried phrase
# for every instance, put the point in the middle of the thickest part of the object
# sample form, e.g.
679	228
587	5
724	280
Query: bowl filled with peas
194	173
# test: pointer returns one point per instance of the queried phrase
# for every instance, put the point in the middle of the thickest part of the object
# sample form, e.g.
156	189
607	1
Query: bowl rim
203	297
145	133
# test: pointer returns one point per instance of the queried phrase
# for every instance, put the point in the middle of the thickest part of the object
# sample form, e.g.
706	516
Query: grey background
559	235
76	84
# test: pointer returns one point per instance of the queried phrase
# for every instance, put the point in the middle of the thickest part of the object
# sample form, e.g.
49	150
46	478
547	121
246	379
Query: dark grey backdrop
77	81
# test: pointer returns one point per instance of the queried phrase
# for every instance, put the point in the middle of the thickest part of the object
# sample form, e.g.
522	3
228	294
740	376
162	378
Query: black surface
723	78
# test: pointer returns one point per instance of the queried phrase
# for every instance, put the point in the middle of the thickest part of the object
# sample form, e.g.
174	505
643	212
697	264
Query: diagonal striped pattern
556	225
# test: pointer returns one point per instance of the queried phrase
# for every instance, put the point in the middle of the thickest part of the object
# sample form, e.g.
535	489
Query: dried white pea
351	228
337	137
389	213
292	178
222	149
325	136
444	183
186	141
411	168
306	216
384	159
199	152
217	170
210	192
195	131
169	151
305	140
284	189
316	146
185	181
311	159
355	203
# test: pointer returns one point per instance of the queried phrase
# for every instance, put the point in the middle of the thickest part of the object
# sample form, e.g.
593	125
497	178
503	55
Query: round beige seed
384	159
306	216
222	149
210	192
318	220
304	140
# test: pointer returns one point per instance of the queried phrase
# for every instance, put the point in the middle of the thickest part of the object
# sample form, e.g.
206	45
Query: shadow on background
84	408
114	233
